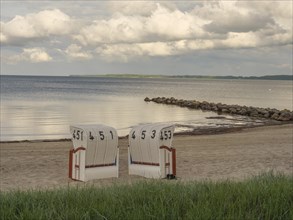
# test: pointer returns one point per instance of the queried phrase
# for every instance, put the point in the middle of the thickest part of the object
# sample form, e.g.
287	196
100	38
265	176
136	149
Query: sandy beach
235	156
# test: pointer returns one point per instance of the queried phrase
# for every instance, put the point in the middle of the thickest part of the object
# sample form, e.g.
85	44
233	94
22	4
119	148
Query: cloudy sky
146	37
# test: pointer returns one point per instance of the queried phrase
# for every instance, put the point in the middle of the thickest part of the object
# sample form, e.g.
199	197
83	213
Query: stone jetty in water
268	113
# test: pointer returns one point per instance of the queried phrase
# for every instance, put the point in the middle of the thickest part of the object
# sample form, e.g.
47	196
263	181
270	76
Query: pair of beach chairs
95	152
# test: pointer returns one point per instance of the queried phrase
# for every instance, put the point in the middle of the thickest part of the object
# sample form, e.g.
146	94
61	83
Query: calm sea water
44	107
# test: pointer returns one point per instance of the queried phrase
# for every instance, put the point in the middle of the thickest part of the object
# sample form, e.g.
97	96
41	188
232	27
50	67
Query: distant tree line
267	77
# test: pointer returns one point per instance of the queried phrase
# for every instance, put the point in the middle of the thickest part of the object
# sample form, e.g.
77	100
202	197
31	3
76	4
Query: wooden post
70	163
174	161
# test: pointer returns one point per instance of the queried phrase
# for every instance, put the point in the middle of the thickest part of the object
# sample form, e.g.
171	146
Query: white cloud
128	51
171	25
3	38
37	25
74	51
119	52
164	31
118	29
33	55
240	40
162	25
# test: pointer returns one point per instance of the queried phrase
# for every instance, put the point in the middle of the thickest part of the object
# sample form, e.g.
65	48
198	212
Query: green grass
268	196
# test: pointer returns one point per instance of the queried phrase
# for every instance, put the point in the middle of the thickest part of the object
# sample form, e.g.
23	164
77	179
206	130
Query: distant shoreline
146	76
139	76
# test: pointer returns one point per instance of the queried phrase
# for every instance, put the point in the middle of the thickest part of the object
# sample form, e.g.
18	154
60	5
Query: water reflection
43	120
44	107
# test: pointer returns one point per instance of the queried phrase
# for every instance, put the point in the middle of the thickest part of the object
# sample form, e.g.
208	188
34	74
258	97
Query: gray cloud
239	23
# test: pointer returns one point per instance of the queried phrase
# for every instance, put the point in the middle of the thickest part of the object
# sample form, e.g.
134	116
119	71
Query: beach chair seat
95	152
150	152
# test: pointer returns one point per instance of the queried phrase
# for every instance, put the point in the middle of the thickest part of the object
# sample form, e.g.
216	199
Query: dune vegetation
267	196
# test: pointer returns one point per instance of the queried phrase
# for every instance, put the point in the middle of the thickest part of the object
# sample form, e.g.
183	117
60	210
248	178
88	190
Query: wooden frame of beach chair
95	152
150	152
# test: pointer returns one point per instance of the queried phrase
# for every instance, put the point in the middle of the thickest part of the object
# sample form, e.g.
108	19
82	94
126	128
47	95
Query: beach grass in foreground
267	196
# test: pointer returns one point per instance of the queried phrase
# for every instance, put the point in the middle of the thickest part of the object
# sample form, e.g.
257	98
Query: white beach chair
95	152
150	152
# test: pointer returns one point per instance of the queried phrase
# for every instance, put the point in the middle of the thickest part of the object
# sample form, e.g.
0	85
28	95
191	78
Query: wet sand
236	156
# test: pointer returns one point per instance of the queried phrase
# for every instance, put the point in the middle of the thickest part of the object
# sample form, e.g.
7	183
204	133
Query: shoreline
229	156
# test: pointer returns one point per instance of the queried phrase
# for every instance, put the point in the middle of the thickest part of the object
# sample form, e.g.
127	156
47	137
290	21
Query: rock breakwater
268	113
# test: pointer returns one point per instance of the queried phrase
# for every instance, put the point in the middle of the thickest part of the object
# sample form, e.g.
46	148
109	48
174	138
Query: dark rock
205	106
285	116
233	110
264	112
273	111
159	100
215	108
275	116
179	102
243	111
253	113
224	110
196	104
189	104
147	99
266	115
185	103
